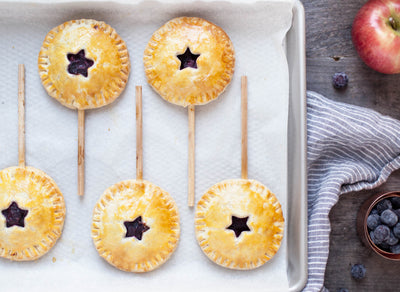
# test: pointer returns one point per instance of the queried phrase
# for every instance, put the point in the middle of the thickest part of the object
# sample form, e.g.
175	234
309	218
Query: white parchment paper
257	30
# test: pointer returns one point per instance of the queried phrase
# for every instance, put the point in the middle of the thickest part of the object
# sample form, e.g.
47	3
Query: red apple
376	35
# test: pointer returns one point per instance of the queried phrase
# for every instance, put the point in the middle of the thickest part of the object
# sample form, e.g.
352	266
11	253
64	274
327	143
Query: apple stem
393	23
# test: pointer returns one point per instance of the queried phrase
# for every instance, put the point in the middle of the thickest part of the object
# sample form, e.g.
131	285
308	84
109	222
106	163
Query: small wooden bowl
362	228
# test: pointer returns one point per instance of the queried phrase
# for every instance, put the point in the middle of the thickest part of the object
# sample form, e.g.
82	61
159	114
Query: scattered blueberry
396	230
383	205
382	233
373	221
395	249
358	271
389	218
393	240
340	80
395	202
342	290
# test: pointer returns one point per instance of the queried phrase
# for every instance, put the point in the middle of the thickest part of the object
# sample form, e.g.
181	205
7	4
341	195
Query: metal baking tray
297	176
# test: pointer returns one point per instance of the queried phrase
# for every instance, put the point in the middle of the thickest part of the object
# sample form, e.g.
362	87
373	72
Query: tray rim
297	151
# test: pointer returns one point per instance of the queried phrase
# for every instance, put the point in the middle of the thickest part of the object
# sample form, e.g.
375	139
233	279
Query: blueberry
393	240
395	202
384	246
374	240
389	218
396	230
397	212
374	211
342	290
358	271
382	233
395	249
383	205
373	221
340	80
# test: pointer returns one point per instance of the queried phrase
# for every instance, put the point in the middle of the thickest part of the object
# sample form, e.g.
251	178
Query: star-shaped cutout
136	228
14	215
188	59
239	225
79	64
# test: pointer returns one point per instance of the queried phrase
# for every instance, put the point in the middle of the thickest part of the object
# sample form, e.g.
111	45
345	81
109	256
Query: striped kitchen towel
349	149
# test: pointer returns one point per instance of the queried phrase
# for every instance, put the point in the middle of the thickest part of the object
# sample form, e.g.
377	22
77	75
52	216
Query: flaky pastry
32	213
84	64
189	61
239	224
135	226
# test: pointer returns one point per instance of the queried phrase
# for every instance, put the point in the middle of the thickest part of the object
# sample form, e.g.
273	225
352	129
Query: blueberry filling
239	225
136	228
14	215
79	64
188	59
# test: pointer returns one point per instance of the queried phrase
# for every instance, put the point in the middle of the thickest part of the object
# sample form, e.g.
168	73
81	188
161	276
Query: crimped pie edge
225	41
148	266
44	246
113	93
213	255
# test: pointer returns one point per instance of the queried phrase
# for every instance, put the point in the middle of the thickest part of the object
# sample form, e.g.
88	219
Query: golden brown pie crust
240	198
106	78
215	65
126	201
35	191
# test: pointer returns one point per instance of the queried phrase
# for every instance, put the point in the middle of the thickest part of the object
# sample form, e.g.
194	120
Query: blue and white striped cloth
349	149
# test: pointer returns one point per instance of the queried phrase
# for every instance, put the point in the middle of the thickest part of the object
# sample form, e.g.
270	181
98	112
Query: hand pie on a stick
84	64
189	61
136	223
239	222
32	206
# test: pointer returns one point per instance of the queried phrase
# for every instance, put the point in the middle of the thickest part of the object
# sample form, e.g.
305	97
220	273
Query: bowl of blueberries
378	224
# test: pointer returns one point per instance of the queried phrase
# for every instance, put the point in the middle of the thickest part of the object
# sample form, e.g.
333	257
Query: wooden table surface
329	49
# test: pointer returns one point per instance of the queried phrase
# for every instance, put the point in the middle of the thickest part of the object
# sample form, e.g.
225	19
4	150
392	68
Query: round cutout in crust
189	86
239	198
107	57
35	192
127	201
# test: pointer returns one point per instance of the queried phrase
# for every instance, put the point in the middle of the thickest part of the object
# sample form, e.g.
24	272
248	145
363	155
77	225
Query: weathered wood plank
329	49
366	87
346	248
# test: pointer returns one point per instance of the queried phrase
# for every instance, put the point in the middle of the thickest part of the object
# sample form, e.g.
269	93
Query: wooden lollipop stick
21	115
139	134
81	152
244	126
191	168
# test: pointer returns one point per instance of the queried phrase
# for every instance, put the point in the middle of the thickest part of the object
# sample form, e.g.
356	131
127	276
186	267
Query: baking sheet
255	29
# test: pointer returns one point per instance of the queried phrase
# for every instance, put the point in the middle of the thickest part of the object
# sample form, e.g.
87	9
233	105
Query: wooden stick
21	115
191	168
81	152
244	126
139	134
